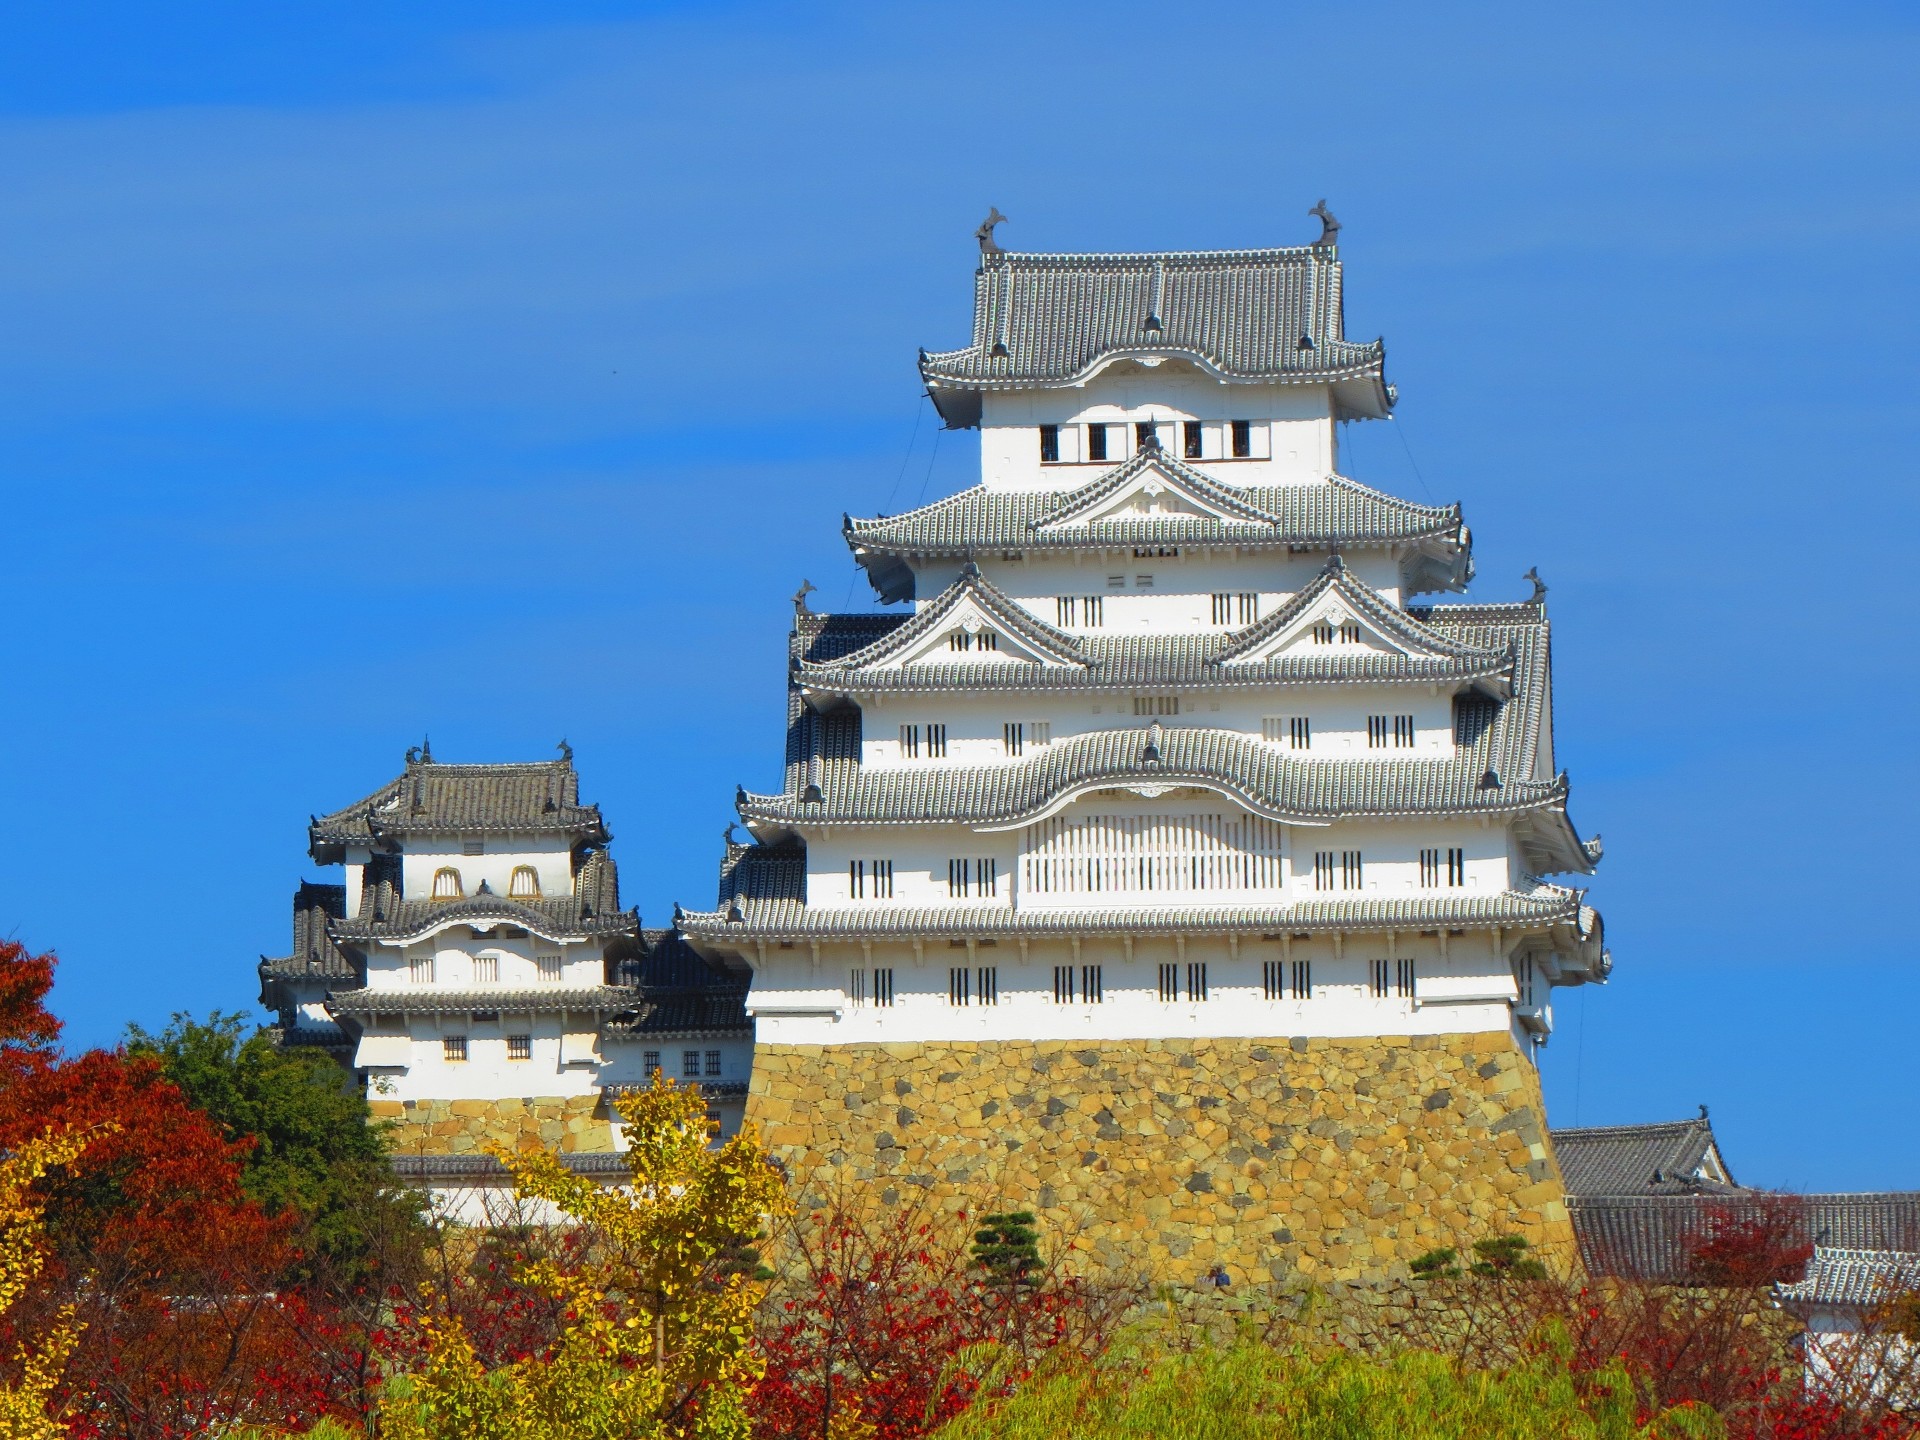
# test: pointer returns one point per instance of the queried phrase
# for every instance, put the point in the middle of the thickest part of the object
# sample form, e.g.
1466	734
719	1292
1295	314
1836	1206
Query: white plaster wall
1391	864
1295	437
390	967
976	723
487	1073
626	1059
1177	597
550	856
1469	989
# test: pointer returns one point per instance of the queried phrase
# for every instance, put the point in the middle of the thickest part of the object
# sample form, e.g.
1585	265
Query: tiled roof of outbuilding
1674	1158
1240	315
1850	1279
1654	1237
472	800
682	994
314	957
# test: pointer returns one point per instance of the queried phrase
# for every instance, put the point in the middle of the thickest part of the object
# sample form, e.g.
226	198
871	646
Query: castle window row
1176	982
935	737
973	640
690	1063
1454	860
1074	611
1339	870
1102	442
973	879
1347	632
1384	732
1238	607
484	969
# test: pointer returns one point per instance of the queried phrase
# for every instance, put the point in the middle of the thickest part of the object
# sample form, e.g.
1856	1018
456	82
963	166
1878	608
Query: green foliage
1250	1391
1006	1245
316	1151
1501	1257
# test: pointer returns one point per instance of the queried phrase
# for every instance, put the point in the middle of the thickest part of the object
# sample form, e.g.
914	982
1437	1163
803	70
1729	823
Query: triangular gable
971	608
1338	615
1154	486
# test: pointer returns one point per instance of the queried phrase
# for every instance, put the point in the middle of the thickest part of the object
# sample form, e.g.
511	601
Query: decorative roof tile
1239	315
472	800
591	912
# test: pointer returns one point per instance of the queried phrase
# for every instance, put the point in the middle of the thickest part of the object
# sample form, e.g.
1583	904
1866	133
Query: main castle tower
1172	867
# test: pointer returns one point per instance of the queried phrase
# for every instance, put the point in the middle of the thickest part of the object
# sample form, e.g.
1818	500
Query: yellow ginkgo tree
24	1404
658	1331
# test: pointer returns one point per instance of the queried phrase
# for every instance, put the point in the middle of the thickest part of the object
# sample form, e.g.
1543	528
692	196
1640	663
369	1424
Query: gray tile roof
1654	1237
683	994
1104	662
1266	315
314	958
1321	514
1841	1278
469	800
763	897
591	912
482	1169
434	1000
1674	1158
1266	780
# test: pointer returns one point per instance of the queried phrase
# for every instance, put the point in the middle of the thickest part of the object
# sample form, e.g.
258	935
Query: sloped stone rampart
1319	1157
459	1127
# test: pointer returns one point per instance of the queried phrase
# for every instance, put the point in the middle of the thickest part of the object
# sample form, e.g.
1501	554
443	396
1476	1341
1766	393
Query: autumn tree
657	1310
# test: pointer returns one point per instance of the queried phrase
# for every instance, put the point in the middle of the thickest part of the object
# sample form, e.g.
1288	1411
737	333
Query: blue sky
495	371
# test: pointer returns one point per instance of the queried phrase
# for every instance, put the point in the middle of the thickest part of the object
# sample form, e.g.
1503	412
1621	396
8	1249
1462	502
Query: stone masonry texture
1319	1158
459	1127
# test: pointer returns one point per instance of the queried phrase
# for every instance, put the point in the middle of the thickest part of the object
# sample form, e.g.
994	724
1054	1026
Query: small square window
1242	439
1190	439
473	847
713	1062
650	1062
1049	444
519	1047
1096	442
453	1047
690	1064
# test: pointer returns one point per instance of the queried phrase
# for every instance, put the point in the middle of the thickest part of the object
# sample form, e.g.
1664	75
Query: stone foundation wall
458	1127
1327	1158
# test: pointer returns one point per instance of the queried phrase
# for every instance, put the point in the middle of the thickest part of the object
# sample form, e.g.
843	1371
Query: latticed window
1352	876
980	640
973	879
1403	732
1148	854
1091	989
453	1047
1169	982
1156	704
1403	979
1096	442
1293	731
1049	444
446	883
1377	974
486	969
883	985
420	969
1197	980
1016	737
1273	979
690	1064
519	1047
936	742
650	1062
857	987
870	879
1235	607
1322	633
1190	446
713	1062
1242	436
987	983
547	966
959	985
1302	979
524	883
1350	632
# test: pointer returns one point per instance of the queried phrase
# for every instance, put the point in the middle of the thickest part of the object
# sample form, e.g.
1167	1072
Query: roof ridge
1326	253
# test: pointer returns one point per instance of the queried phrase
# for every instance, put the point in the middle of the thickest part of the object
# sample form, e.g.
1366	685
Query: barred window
519	1047
1323	869
959	985
1240	607
1403	732
883	985
1429	869
973	879
1302	979
936	742
1378	973
650	1062
1403	979
713	1062
473	847
1350	632
1016	737
1096	442
1169	982
524	883
857	987
1322	633
486	969
1145	433
1066	610
910	741
1156	704
1351	873
1376	732
1094	608
1242	439
690	1064
1091	989
547	966
987	982
1196	980
870	879
420	970
1273	979
453	1047
980	640
1190	439
446	884
1049	444
1456	867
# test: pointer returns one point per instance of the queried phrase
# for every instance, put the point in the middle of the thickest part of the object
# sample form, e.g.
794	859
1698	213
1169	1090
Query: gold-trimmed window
524	883
446	884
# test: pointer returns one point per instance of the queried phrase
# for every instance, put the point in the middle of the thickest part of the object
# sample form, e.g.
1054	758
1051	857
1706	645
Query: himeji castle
1173	862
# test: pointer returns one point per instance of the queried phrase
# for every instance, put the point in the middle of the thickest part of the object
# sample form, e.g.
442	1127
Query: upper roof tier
1188	507
468	800
1242	316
